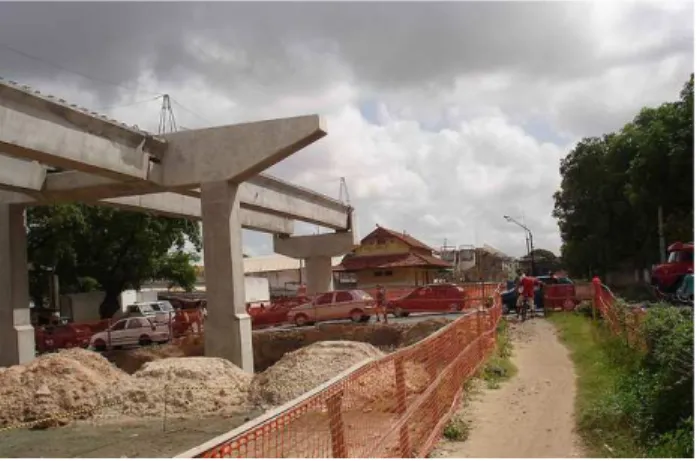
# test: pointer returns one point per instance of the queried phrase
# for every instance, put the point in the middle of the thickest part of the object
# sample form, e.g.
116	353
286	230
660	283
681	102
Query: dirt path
532	414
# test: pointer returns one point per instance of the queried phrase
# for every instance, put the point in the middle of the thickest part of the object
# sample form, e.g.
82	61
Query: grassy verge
600	419
497	369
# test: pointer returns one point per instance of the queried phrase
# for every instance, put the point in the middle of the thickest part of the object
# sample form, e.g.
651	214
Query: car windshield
680	256
146	309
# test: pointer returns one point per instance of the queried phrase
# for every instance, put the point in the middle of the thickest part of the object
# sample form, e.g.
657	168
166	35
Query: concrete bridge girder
212	174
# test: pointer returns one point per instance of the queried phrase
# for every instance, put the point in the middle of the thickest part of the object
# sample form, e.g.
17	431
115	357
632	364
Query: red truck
668	276
53	337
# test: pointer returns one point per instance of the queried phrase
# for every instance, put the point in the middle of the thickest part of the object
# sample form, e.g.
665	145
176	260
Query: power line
130	104
58	66
192	112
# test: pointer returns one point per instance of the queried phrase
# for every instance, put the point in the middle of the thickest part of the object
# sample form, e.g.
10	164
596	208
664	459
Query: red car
54	337
265	314
446	297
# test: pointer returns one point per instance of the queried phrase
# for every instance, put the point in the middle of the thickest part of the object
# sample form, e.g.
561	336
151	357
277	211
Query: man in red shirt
528	284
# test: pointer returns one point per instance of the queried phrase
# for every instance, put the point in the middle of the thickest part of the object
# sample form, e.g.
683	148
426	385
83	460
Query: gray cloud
467	97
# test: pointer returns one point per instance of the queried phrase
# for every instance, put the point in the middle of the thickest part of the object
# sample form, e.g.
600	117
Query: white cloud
473	112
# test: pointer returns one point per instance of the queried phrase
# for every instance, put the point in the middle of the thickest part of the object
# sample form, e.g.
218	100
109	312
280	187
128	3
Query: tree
113	249
613	187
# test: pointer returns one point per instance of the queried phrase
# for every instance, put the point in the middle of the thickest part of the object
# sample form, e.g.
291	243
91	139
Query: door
117	334
322	307
342	305
133	331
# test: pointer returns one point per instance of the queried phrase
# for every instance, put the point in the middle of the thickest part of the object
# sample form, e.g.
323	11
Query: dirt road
532	414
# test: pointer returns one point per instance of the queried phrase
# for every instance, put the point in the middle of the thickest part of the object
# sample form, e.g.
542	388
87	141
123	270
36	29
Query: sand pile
422	330
376	391
302	370
187	385
69	381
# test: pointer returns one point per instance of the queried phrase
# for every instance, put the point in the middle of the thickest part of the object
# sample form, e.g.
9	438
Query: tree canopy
91	247
613	187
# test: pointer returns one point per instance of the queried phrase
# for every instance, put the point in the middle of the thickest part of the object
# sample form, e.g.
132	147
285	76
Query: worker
381	303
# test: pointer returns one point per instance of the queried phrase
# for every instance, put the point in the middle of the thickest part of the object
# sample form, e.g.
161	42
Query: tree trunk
110	304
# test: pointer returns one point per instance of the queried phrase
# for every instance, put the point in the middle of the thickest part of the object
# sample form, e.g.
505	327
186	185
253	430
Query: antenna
167	117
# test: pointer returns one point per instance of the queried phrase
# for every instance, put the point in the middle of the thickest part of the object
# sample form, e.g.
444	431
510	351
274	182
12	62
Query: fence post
335	420
400	372
479	330
596	296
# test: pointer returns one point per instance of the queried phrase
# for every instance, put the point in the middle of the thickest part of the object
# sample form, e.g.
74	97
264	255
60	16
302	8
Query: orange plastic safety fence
395	406
623	320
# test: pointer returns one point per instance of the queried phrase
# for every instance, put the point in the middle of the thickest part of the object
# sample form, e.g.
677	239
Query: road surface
532	414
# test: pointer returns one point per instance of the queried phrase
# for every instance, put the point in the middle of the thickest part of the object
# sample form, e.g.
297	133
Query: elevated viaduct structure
53	152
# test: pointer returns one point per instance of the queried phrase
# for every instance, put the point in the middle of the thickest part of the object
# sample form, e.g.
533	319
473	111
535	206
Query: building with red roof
391	258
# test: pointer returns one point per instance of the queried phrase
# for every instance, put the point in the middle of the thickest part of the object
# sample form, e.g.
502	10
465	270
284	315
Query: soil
532	414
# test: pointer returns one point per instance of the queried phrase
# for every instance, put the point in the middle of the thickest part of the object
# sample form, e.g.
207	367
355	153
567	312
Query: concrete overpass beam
20	174
316	251
234	152
228	325
16	332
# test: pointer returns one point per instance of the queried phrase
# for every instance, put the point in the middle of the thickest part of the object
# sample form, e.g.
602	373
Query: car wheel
145	341
454	307
301	320
398	312
356	316
100	346
366	318
569	304
505	310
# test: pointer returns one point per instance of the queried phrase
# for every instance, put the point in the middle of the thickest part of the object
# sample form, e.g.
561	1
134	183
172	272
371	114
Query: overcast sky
442	117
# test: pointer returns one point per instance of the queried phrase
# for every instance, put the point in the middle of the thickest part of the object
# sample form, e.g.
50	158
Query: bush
457	430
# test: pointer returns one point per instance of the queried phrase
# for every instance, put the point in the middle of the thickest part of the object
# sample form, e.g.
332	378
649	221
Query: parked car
558	292
133	331
63	336
443	297
356	305
160	311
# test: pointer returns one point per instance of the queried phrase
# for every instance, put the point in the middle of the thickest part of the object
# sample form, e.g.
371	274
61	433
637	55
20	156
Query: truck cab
668	276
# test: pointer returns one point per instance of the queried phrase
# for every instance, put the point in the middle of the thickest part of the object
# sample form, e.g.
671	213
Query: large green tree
91	247
614	186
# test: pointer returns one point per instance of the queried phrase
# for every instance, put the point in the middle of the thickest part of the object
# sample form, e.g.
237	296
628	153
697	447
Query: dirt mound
302	370
64	383
422	330
376	391
187	385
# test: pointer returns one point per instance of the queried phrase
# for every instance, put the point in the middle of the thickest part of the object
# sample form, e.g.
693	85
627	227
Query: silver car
134	331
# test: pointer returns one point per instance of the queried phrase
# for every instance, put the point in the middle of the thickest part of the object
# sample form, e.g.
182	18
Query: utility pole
662	243
530	246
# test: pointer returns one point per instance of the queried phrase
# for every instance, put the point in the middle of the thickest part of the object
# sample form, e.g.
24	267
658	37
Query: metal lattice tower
167	122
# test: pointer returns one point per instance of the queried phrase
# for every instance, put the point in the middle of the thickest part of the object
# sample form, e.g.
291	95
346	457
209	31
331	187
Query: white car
160	311
134	331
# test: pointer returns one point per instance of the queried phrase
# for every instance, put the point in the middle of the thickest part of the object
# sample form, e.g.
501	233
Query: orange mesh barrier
623	320
395	406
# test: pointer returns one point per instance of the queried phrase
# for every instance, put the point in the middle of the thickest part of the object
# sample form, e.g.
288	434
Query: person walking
381	303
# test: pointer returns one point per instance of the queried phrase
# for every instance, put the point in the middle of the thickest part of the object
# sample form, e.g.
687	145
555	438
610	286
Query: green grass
600	416
457	430
499	367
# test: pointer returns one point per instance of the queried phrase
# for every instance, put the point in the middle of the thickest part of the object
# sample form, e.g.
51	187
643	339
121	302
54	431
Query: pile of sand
186	386
421	330
376	390
74	381
300	371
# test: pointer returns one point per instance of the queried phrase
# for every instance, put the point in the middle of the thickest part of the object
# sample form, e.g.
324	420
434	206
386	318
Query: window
139	323
343	297
680	256
156	307
325	298
378	273
133	309
119	325
381	241
388	273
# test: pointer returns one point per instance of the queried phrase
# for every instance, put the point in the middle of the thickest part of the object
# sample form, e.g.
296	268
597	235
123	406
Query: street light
528	241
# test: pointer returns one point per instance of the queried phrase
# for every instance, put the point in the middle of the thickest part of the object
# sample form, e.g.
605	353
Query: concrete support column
319	274
16	332
228	326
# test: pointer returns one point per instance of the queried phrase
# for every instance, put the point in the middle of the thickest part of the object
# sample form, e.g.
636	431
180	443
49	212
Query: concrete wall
85	307
400	276
390	246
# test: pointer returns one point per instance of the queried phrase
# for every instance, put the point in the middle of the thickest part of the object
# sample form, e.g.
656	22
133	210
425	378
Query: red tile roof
357	263
407	239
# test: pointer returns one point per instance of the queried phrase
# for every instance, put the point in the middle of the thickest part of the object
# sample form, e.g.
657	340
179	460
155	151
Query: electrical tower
167	122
